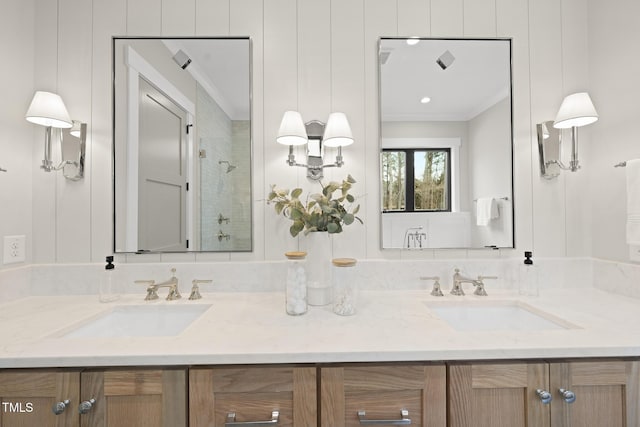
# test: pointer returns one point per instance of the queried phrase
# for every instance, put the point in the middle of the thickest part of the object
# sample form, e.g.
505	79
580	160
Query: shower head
230	167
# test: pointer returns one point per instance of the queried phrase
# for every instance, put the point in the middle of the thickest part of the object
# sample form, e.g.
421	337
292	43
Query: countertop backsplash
84	279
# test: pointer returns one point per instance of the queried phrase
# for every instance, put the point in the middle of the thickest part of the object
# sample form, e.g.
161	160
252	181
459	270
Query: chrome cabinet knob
86	406
544	395
59	407
567	395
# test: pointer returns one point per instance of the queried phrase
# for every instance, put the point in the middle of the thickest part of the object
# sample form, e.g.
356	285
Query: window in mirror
416	180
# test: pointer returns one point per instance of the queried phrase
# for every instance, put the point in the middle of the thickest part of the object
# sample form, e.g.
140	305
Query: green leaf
348	219
332	227
296	193
350	179
279	207
296	228
296	213
356	210
350	198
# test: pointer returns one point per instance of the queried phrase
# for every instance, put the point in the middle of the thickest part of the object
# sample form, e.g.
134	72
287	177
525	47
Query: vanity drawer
252	394
382	392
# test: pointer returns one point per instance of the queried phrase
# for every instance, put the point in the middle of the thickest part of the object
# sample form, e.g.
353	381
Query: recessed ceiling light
425	100
411	41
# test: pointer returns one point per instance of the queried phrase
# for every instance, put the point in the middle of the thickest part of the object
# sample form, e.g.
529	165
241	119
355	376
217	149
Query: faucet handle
480	285
195	290
152	291
436	291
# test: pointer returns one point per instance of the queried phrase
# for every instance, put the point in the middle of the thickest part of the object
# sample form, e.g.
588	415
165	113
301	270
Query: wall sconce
576	110
316	136
47	109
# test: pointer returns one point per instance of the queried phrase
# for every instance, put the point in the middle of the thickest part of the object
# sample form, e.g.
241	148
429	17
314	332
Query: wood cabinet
500	394
113	397
381	393
511	394
251	394
138	397
27	397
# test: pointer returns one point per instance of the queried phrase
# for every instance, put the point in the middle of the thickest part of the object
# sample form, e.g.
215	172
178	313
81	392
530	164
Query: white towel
633	201
486	210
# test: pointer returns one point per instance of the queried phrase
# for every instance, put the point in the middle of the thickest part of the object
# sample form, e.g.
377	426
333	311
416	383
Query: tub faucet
459	279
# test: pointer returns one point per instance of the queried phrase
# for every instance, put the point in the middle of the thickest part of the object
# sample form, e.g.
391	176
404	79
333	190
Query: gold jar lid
344	262
295	255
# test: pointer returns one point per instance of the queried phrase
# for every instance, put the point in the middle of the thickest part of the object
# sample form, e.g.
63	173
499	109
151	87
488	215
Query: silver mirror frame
113	145
512	197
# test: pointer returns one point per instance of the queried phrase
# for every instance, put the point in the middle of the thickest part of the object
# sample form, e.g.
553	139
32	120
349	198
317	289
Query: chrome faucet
459	279
152	288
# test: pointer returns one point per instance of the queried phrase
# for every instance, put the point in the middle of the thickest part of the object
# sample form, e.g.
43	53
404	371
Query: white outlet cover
14	249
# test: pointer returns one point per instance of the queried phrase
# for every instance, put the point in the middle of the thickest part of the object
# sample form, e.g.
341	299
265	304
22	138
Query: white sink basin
140	321
496	316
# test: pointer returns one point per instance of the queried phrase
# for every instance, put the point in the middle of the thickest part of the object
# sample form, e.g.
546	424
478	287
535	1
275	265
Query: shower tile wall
241	178
215	138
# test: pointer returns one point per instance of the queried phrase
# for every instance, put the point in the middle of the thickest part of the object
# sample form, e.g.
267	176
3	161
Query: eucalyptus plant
327	211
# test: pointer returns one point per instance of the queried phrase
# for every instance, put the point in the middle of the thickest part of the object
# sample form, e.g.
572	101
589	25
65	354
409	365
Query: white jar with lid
296	283
345	286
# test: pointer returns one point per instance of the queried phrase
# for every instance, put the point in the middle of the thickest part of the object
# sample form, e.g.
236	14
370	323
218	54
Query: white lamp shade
47	109
576	110
337	133
292	130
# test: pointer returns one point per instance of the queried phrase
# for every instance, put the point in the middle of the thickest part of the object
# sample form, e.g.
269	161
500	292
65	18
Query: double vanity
234	357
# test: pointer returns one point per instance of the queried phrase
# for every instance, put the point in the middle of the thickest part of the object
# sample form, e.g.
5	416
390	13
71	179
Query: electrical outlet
634	253
14	249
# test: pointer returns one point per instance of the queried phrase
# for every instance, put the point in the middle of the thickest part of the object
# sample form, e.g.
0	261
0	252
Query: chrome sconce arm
316	135
47	109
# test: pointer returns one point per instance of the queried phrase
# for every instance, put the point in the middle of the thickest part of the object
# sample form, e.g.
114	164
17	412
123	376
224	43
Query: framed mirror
446	143
182	144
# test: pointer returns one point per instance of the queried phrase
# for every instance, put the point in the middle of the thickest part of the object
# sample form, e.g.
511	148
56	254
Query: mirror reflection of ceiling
477	78
231	76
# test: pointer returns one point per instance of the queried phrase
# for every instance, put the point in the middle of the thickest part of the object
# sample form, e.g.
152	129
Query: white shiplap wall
316	57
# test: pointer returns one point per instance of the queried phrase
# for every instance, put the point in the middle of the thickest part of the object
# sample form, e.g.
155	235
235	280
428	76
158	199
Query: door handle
403	421
231	421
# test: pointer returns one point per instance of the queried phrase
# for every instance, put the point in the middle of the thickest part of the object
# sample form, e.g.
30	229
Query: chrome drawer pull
404	421
231	421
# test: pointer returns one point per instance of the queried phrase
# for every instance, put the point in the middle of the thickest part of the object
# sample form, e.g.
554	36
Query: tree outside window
416	180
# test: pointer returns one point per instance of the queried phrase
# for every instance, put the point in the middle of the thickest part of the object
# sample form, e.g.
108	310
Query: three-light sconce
47	109
336	133
576	110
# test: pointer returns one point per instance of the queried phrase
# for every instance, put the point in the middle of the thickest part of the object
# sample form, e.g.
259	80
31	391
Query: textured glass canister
296	283
345	286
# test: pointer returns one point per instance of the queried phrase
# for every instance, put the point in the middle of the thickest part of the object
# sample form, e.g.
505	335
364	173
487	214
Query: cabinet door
381	393
141	398
27	398
607	393
498	395
252	394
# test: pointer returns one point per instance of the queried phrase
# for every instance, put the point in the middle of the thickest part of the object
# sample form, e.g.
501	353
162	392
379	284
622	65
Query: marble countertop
253	328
